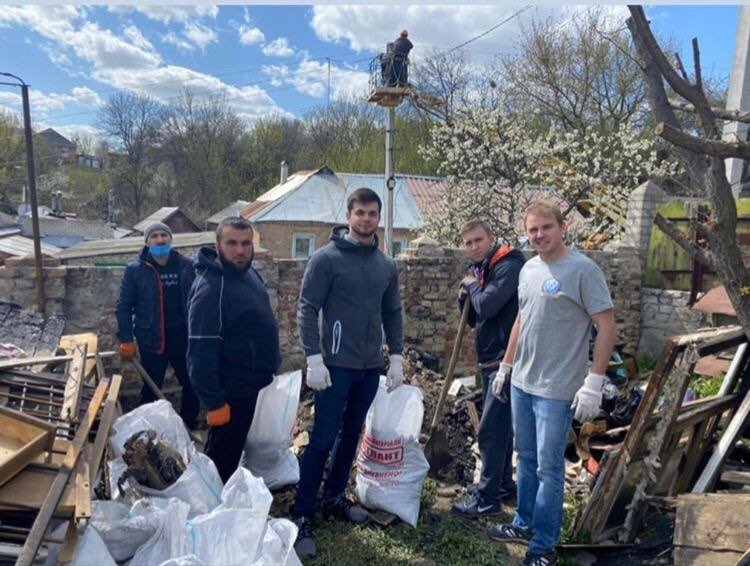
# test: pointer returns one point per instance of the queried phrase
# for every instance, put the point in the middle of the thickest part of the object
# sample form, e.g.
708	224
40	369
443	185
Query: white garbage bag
278	545
91	550
187	560
391	465
199	486
169	539
159	416
268	452
233	533
124	529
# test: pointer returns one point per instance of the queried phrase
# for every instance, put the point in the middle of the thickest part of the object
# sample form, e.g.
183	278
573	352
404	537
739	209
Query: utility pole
31	176
390	181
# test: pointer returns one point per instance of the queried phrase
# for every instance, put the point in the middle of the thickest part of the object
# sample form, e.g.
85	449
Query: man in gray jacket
355	285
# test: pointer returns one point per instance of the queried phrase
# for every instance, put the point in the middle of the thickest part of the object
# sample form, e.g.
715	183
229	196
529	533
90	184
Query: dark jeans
496	444
224	444
340	412
156	366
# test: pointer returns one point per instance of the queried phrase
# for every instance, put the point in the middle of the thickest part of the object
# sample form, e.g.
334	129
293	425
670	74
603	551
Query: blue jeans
495	440
340	412
541	426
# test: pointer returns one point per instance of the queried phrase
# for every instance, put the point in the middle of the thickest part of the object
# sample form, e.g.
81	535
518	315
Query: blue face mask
159	250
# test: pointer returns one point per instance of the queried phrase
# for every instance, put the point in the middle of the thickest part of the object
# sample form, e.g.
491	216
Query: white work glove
498	382
588	398
395	375
318	377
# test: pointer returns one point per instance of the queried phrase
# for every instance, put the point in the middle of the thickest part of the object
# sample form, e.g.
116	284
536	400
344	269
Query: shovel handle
451	365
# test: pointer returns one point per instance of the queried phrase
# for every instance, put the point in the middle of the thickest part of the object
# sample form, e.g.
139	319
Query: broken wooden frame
665	441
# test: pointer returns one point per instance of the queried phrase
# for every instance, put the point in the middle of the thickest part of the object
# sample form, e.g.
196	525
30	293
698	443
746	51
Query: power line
493	28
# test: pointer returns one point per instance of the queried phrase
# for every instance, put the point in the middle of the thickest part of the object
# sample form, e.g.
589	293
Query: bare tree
702	153
131	123
577	74
444	77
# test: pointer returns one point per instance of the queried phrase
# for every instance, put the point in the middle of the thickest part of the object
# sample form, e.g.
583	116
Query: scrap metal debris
151	463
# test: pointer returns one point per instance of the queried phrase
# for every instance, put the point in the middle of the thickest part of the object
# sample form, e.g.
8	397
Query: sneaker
475	506
546	559
506	532
304	546
343	508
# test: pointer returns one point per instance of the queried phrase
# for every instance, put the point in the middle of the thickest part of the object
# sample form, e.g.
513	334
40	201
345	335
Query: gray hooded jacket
356	287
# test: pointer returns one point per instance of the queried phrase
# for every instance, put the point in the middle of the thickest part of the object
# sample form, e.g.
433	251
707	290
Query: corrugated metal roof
18	246
233	209
427	192
159	216
716	301
132	245
54	226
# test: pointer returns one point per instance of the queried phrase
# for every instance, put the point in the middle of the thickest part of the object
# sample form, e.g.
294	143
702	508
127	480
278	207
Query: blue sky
268	59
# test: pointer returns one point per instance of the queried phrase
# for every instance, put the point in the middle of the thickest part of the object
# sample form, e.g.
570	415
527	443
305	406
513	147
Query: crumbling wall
429	276
665	313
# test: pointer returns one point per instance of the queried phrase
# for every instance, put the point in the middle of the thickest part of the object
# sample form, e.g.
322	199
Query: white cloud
199	34
169	14
279	47
173	39
135	35
369	28
84	95
70	131
311	78
250	35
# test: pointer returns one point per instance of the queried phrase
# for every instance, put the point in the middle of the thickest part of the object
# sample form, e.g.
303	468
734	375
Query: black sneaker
304	546
343	508
546	559
506	532
475	506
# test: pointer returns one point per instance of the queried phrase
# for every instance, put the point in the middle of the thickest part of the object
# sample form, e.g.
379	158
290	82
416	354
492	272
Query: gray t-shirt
556	302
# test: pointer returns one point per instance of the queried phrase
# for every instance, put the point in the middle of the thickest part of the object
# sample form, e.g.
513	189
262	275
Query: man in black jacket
153	291
492	289
233	349
400	57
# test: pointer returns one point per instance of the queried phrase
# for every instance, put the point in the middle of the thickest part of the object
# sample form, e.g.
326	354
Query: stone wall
665	313
429	276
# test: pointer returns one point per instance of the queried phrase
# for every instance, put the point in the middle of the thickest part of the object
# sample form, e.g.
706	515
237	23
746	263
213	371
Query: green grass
646	363
705	386
439	539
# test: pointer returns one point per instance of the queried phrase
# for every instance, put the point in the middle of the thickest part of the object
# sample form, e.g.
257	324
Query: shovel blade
437	452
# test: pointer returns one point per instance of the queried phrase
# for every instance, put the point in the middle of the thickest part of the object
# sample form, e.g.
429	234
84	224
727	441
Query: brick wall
665	313
429	276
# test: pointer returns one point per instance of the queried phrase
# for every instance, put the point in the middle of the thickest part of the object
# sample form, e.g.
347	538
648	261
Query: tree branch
714	148
697	65
728	115
693	249
681	67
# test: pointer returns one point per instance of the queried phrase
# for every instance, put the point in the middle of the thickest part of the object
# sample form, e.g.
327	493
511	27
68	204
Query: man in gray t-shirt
561	293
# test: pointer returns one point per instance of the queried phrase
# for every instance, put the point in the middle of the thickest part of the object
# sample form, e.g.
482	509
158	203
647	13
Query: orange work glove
220	416
127	350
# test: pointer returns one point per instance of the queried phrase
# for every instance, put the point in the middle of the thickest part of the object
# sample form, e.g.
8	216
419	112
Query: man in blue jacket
355	285
492	289
154	290
233	349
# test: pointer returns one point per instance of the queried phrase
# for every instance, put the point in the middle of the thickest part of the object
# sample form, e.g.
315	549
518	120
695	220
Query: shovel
436	449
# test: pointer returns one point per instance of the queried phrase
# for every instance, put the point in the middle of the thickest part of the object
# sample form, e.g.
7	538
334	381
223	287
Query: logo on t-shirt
170	279
551	286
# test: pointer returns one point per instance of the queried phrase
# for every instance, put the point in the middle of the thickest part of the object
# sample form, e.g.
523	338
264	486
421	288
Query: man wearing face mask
152	312
233	349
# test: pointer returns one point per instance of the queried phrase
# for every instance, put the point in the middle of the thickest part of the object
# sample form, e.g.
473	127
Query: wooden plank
38	529
22	439
28	489
22	362
68	342
714	522
82	486
736	476
74	384
728	439
68	548
105	425
704	557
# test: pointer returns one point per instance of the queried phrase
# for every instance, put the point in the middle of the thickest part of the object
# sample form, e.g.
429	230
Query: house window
398	246
303	245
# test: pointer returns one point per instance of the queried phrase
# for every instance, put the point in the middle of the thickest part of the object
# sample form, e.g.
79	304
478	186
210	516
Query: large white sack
91	550
268	452
169	539
278	545
199	486
391	465
233	533
159	416
122	528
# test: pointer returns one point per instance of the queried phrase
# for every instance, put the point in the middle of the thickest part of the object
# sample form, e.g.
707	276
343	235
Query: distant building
90	161
172	216
233	209
58	145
